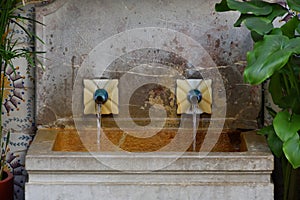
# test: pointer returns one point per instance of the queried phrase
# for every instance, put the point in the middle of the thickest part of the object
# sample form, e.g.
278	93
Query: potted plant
10	49
275	57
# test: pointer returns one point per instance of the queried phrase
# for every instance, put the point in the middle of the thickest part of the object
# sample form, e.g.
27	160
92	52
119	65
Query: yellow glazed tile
182	90
111	86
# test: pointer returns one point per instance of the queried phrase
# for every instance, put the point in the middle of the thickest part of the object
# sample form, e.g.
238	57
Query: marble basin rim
41	157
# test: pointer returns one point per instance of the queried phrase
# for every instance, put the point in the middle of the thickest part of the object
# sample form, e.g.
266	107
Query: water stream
98	123
194	97
195	112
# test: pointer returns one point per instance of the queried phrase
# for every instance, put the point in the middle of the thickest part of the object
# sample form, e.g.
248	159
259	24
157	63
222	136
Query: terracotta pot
7	187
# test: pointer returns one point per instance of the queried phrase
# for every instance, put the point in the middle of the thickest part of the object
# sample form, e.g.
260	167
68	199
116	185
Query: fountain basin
58	173
70	140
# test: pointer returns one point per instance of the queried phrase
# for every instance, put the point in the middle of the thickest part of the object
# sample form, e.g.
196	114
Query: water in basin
69	140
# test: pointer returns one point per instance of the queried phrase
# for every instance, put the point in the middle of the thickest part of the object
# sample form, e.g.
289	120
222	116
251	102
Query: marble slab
117	175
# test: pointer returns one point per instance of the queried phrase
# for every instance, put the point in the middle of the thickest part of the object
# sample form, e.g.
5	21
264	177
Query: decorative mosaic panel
18	108
19	144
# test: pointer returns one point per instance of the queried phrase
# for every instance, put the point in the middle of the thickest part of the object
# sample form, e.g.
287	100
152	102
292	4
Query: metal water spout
100	96
194	96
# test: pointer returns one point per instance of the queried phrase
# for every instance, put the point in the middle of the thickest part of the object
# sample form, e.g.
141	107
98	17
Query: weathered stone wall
73	32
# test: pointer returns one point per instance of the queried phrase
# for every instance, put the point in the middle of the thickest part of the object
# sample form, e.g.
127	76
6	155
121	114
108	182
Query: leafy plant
10	49
275	30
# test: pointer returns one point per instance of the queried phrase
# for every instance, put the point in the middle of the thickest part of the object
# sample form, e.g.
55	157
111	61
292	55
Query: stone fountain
145	50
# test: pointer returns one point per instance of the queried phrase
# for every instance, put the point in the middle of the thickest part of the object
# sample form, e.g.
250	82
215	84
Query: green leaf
275	89
277	11
298	29
292	101
269	56
294	5
222	6
256	37
241	19
295	63
293	46
289	28
18	17
286	126
30	34
273	140
276	31
250	7
263	69
271	111
291	149
261	25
